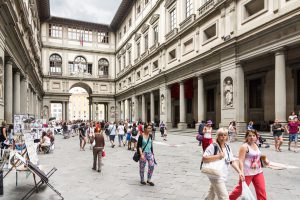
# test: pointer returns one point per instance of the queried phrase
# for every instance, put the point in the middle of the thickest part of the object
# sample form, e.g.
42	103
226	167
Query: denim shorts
293	137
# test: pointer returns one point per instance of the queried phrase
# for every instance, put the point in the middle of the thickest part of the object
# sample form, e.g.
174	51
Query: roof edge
122	11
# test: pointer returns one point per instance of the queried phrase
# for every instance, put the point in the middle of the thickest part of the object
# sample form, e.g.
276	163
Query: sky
97	11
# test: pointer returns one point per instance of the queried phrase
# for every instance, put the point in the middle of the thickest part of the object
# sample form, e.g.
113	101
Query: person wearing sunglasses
217	184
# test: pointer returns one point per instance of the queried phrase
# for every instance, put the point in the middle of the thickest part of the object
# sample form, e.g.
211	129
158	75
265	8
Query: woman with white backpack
215	163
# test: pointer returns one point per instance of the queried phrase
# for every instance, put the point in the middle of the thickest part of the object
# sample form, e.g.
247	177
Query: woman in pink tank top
249	158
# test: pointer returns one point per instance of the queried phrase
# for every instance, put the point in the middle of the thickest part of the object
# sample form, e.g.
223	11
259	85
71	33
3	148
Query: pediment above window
128	45
169	3
154	18
137	36
145	27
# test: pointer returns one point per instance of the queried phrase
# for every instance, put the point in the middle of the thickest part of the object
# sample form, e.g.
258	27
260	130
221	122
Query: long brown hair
248	132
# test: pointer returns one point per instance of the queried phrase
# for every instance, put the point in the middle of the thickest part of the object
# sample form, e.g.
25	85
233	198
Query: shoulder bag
136	156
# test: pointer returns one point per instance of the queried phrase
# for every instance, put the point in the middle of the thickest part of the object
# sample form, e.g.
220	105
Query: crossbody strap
146	143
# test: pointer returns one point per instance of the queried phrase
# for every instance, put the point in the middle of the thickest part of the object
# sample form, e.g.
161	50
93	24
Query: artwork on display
228	92
19	124
31	147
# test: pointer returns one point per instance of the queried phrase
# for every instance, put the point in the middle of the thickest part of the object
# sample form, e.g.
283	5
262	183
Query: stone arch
84	86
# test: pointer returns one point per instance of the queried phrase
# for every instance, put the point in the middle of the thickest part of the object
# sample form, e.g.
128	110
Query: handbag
103	153
199	137
136	156
213	169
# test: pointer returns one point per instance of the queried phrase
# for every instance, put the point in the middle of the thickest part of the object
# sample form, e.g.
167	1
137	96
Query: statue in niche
1	78
46	112
162	104
228	92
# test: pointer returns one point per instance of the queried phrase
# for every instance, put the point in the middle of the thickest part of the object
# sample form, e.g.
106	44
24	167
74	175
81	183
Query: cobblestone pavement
176	176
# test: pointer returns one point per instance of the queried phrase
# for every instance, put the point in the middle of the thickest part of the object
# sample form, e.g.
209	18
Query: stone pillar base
182	125
169	125
197	126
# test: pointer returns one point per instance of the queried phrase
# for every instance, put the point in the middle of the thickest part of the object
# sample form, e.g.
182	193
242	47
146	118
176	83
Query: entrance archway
80	101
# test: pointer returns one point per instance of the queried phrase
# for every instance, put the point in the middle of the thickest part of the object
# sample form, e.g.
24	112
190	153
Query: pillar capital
181	82
279	51
199	75
9	60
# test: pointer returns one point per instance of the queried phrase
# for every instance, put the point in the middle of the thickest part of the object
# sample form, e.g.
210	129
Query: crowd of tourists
217	153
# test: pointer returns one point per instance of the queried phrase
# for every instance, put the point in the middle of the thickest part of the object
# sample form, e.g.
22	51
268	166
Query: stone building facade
176	61
215	59
21	77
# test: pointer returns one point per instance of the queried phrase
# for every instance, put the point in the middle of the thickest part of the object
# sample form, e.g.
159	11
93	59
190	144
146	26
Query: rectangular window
90	68
129	22
120	64
255	93
210	100
124	29
189	7
124	61
129	57
138	50
138	9
253	7
146	42
146	2
129	80
172	54
155	65
103	37
210	32
155	33
138	75
120	35
55	31
146	71
172	19
78	34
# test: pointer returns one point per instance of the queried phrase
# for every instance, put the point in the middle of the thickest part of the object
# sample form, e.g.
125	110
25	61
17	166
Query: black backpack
134	131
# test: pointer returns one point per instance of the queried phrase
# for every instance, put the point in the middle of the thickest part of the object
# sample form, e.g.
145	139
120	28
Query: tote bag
246	194
213	169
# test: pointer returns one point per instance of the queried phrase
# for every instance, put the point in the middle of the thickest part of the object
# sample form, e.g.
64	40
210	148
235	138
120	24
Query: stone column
8	91
90	108
128	110
152	106
169	106
143	108
280	86
135	107
63	111
182	124
94	112
17	93
240	102
120	110
67	110
201	115
23	89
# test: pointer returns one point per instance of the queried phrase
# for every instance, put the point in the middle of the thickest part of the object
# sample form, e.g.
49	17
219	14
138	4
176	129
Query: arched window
103	65
55	62
80	64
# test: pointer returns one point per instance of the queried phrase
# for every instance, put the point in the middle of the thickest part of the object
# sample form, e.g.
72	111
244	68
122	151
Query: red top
293	127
